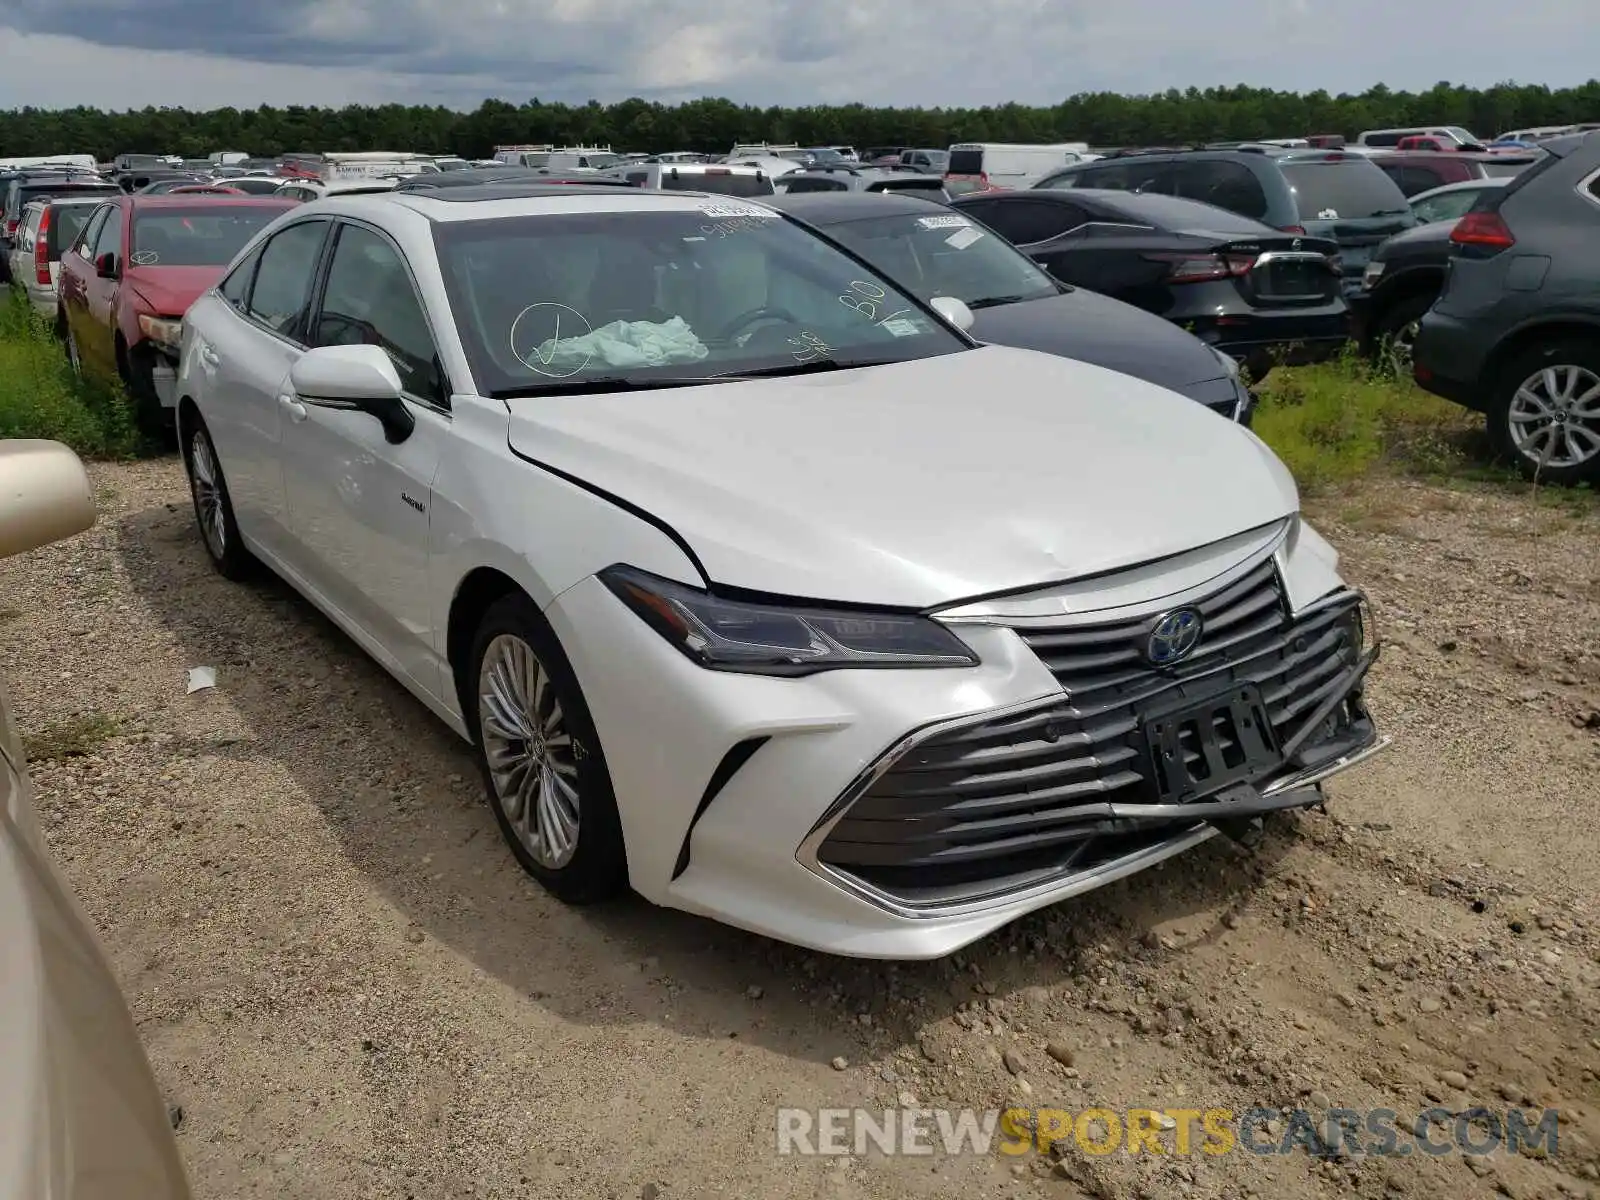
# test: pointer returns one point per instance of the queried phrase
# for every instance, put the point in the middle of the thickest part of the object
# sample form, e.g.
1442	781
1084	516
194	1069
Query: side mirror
105	265
953	310
44	495
359	377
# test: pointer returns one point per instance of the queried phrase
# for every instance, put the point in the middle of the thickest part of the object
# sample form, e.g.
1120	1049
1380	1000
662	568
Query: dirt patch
352	991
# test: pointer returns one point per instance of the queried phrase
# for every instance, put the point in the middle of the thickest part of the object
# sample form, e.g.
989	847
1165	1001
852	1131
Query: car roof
493	202
829	208
168	200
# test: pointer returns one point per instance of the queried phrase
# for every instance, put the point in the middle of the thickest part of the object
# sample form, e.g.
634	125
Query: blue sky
207	53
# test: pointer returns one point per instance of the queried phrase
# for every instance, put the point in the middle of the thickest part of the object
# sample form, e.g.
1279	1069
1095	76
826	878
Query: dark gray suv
1515	334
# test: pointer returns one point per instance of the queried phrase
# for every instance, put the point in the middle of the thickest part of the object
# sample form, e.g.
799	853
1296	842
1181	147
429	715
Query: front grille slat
1013	796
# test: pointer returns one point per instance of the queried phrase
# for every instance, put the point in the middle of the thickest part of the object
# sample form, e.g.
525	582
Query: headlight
1371	275
771	639
1229	363
166	330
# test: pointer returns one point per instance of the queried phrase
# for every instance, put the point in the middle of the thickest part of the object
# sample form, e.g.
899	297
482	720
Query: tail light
41	251
1197	268
11	228
1487	229
1299	229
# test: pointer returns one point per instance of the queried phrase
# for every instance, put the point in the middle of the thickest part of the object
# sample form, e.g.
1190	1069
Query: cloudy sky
207	53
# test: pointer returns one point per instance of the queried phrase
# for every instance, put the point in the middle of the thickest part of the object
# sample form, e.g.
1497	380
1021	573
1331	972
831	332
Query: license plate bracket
1228	733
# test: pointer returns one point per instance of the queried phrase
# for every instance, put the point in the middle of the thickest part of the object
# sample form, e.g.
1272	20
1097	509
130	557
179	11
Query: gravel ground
351	990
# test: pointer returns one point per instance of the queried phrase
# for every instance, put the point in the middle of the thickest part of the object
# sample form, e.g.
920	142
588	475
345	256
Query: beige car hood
81	1117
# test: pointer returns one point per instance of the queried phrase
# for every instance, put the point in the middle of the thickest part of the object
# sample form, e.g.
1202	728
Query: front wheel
1545	412
213	506
541	758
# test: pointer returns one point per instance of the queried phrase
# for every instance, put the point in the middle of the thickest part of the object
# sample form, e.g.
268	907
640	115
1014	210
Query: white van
559	159
1009	165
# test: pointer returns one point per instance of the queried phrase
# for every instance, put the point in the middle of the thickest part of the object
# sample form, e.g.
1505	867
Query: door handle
297	411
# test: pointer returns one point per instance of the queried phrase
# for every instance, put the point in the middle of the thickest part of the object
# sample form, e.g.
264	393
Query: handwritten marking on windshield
866	298
810	348
731	226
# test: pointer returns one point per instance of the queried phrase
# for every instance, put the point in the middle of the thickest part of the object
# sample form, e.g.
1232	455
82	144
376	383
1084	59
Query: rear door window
1228	185
1024	222
1345	191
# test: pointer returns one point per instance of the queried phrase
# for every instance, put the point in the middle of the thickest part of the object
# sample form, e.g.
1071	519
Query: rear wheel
1545	413
1394	333
213	506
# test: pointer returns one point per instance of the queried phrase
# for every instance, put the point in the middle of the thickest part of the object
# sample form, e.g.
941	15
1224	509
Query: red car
131	275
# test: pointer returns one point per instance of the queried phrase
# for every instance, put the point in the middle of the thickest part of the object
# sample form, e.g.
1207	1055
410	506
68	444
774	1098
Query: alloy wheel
533	765
1554	416
1401	346
206	481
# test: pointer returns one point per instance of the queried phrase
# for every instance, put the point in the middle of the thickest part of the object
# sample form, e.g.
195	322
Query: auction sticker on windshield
723	211
962	238
944	222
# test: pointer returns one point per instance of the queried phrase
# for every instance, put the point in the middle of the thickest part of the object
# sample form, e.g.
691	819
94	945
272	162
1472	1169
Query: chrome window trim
1587	187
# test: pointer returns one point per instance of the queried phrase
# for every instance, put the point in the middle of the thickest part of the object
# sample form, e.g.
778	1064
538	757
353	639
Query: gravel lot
352	991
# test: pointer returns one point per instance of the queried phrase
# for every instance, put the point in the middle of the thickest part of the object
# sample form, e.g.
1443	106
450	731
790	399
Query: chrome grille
1005	798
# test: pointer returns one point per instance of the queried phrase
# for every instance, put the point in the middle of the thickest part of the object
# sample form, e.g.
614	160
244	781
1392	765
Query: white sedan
758	585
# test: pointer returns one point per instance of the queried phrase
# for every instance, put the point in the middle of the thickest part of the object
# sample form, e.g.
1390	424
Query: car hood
169	291
1097	329
917	484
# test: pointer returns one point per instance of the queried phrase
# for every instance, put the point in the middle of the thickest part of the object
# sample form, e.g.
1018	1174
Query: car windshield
944	254
1346	190
723	183
964	187
1176	214
566	301
67	221
195	237
1506	169
1444	206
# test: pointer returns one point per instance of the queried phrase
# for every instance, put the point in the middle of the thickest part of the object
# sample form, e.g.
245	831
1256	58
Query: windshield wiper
995	301
1391	212
805	368
593	384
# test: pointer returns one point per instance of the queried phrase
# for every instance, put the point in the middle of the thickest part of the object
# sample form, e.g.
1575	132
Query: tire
148	414
213	506
1521	409
69	344
568	837
1394	332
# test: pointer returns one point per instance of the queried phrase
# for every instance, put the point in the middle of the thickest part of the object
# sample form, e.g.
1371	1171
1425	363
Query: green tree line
1100	118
